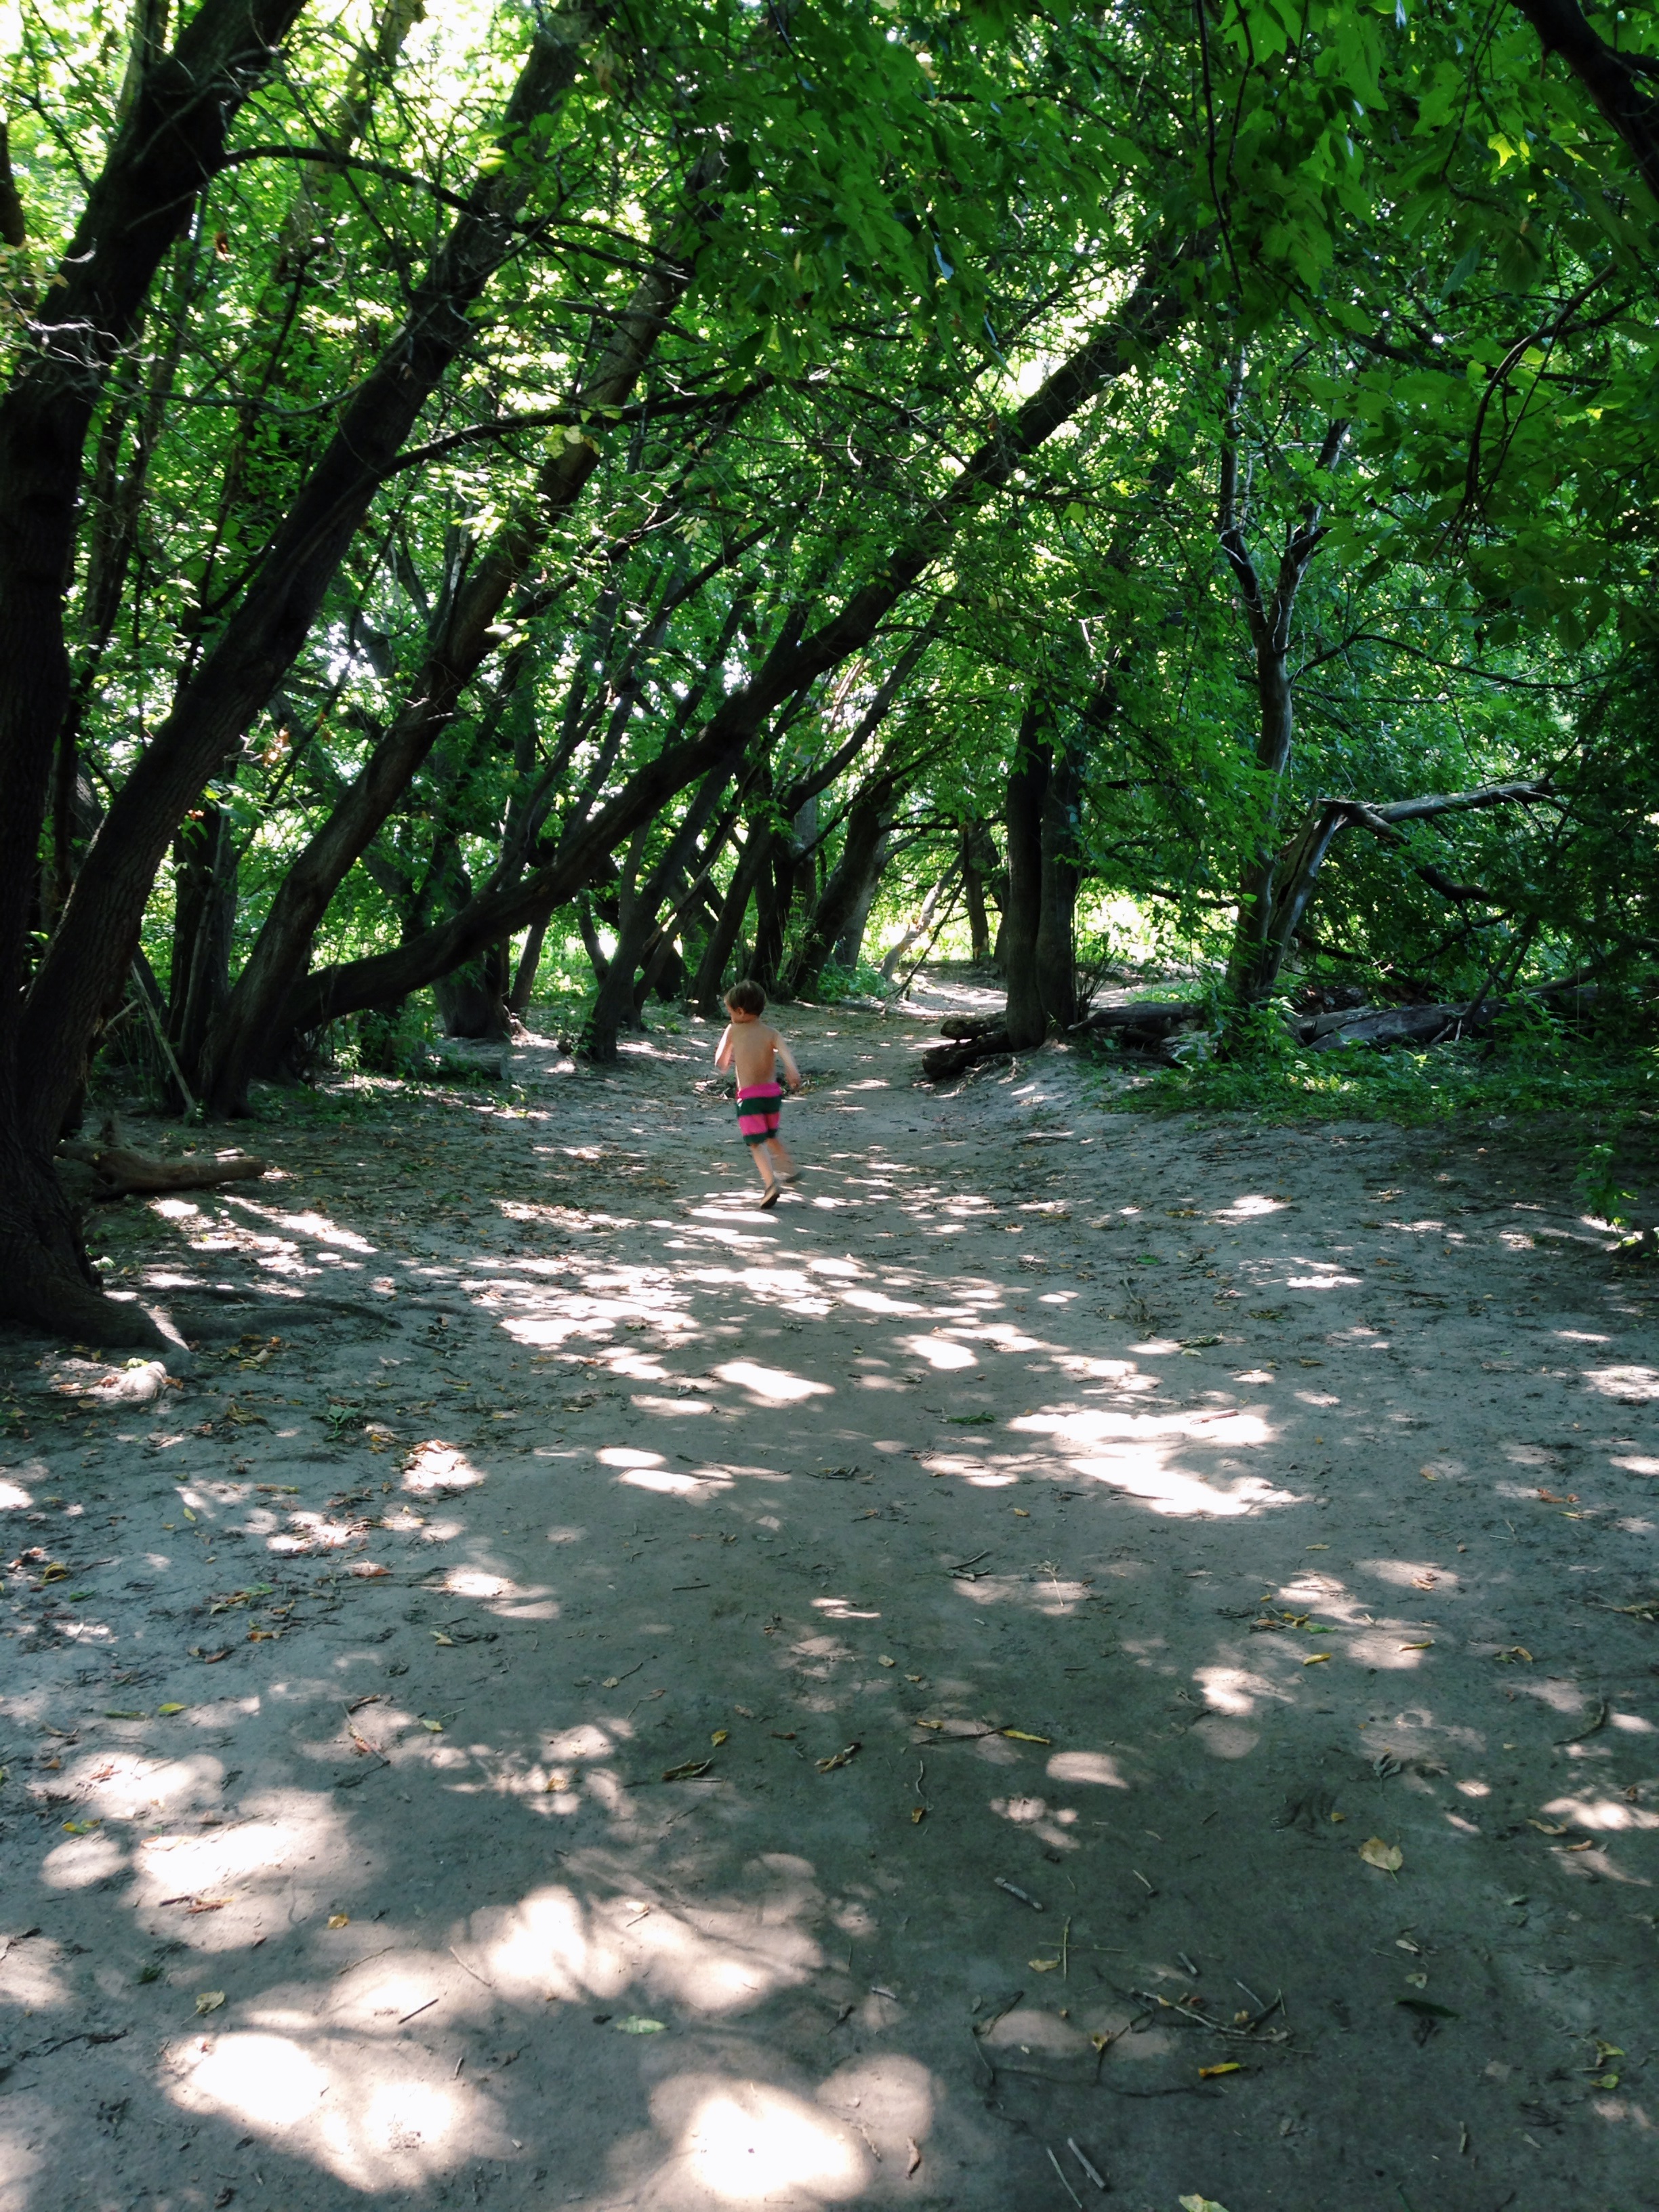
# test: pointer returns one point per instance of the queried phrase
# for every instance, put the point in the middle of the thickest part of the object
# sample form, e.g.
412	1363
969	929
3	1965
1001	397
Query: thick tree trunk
168	145
45	1280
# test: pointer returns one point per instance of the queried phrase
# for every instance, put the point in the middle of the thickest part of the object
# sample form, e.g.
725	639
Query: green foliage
864	981
1390	217
1598	1184
376	1043
1536	1067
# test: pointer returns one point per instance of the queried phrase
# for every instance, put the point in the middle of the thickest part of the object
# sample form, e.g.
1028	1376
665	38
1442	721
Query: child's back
754	1052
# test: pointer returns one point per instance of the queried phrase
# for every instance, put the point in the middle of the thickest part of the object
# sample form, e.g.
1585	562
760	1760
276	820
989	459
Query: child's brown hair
746	997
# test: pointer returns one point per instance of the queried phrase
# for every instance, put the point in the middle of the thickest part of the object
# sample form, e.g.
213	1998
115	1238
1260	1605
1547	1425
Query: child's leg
763	1169
781	1159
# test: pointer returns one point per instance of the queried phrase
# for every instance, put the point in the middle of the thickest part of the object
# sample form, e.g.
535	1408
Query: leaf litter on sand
1388	1858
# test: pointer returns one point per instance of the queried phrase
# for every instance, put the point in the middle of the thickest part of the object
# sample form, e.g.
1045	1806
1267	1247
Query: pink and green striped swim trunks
759	1105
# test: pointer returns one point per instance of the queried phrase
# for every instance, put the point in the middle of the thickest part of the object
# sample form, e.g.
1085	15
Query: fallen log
116	1170
1387	1025
1391	1025
1156	1016
964	1026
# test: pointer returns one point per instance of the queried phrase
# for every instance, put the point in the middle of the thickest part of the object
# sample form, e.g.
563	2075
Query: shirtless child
753	1048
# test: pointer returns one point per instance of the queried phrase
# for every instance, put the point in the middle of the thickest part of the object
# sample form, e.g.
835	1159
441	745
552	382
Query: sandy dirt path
1077	1644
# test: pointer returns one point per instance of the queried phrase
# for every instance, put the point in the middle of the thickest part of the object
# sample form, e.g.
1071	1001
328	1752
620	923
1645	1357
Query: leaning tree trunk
618	1005
728	927
170	143
1296	867
83	967
846	898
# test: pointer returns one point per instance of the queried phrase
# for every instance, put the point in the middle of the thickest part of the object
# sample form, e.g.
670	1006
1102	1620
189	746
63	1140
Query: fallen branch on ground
1154	1017
116	1170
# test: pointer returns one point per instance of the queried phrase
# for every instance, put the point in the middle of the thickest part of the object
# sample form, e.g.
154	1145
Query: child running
753	1048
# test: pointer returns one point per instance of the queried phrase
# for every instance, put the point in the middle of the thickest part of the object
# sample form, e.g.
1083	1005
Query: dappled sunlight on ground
751	2145
379	2120
657	1704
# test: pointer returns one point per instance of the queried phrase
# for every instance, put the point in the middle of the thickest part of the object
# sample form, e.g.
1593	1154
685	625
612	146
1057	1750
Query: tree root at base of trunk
44	1301
941	1061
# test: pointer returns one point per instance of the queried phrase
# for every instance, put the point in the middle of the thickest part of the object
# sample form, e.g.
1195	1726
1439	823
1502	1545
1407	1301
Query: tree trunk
166	148
846	898
772	889
1026	1022
1061	871
84	965
849	945
45	1280
597	959
523	992
204	922
974	840
1252	968
473	1000
618	1004
717	953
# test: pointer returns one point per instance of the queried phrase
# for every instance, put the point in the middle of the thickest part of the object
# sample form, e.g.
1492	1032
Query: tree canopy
660	483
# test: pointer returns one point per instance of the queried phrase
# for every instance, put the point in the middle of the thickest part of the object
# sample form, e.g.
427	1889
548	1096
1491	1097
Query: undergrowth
1532	1066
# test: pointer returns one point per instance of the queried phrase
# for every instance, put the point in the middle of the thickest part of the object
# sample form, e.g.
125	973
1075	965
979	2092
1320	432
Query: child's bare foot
770	1199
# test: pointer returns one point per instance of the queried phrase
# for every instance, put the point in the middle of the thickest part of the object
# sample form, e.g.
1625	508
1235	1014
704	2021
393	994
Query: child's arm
723	1050
788	1060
